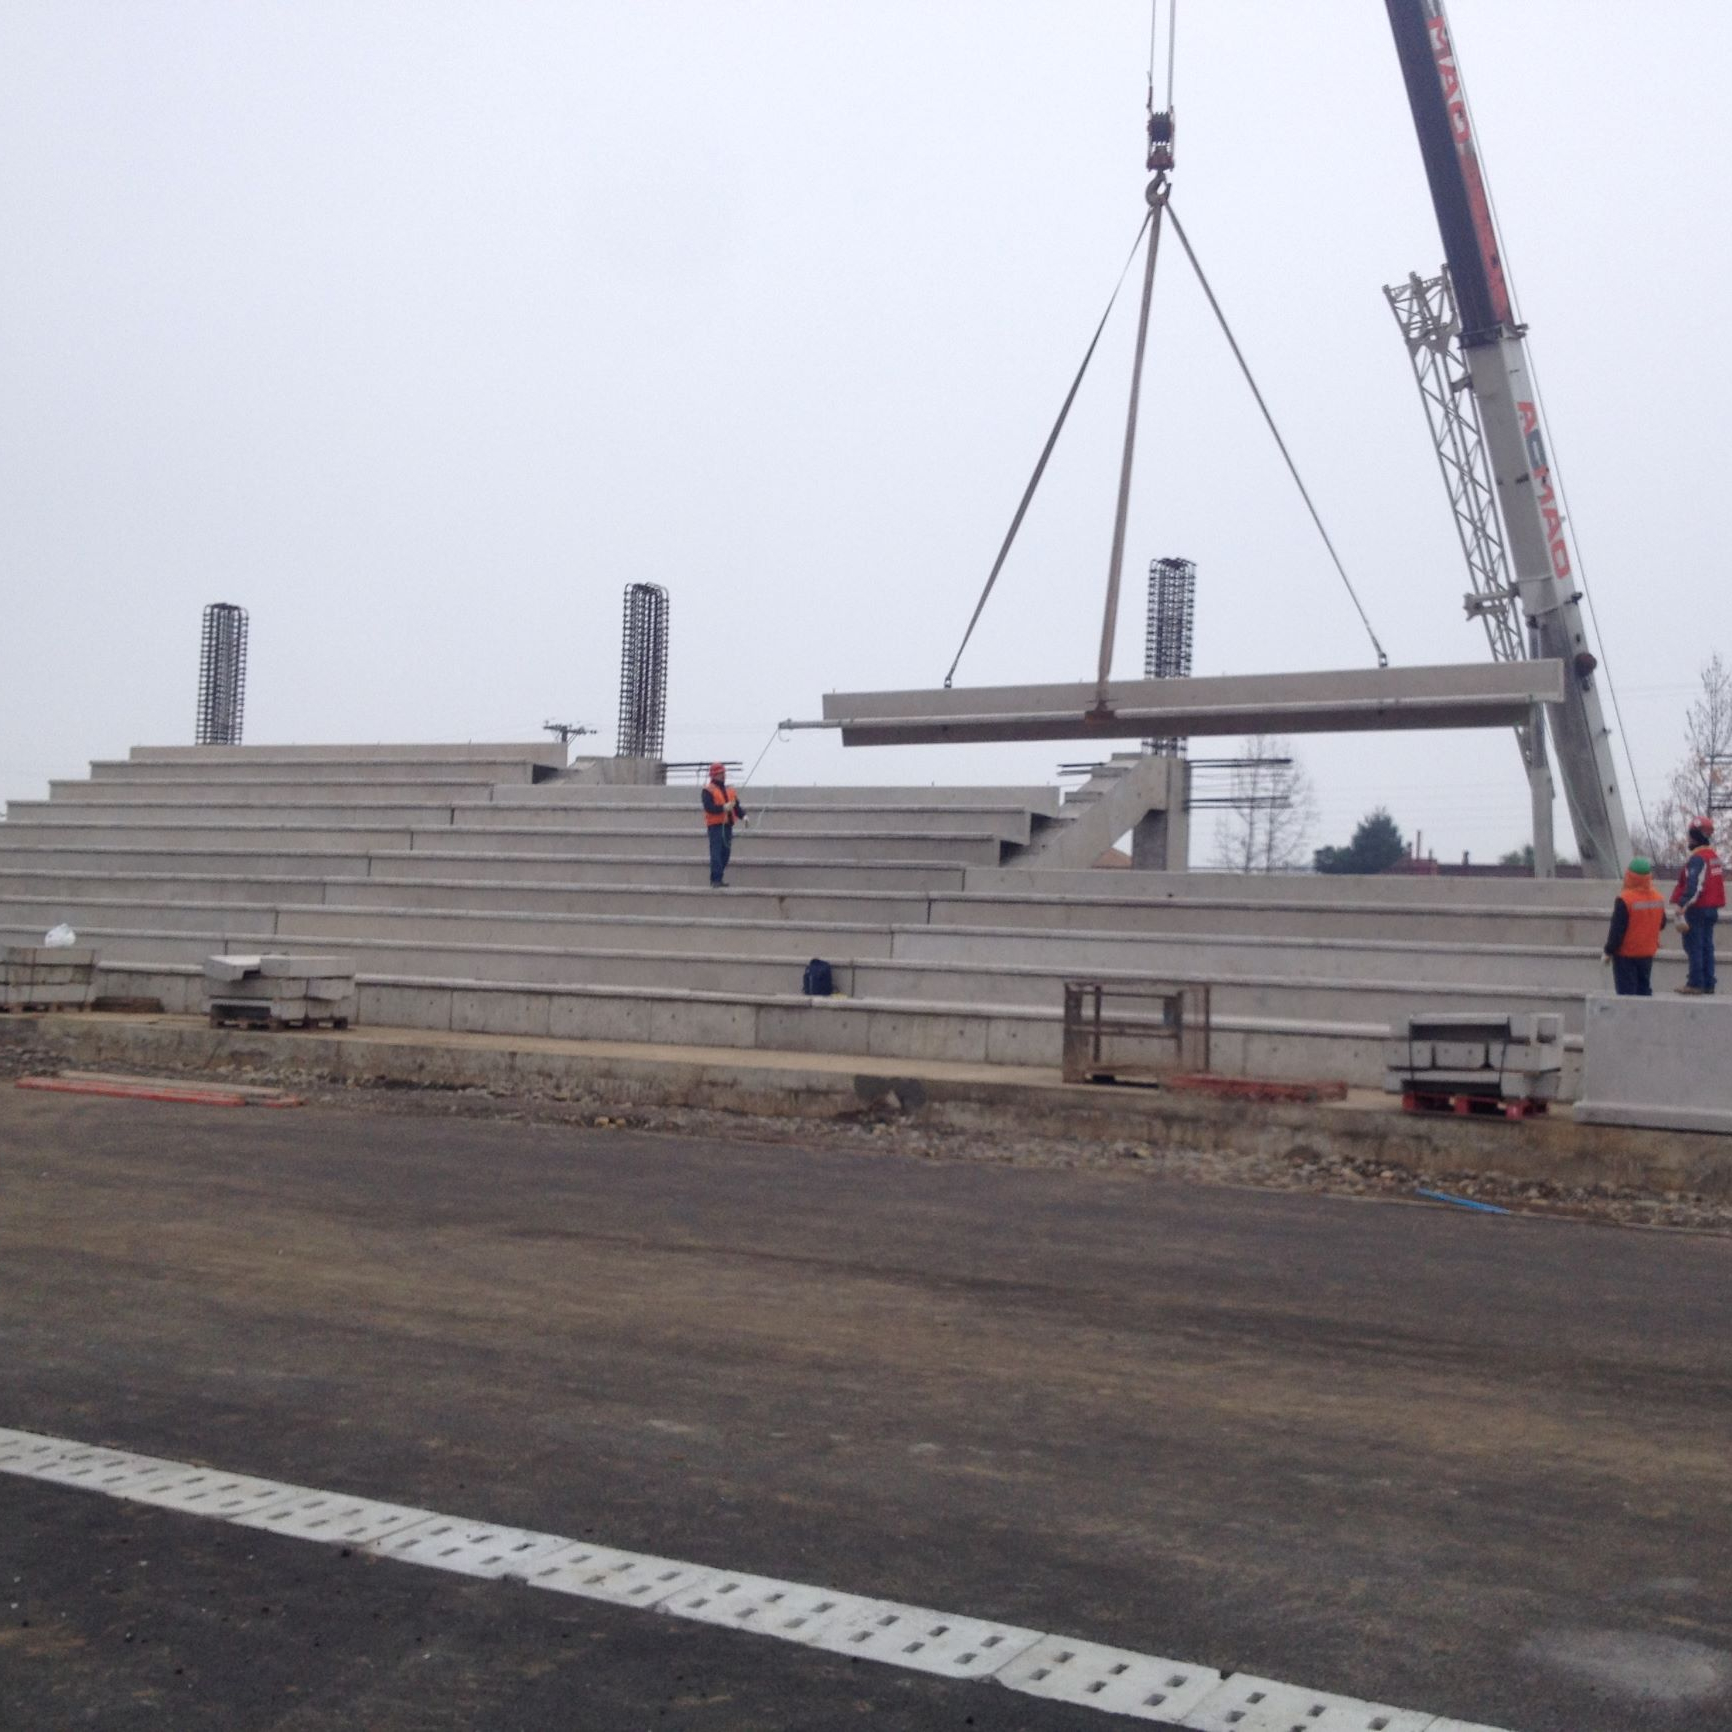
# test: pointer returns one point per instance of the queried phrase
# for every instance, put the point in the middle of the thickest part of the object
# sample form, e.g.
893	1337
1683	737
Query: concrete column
1161	841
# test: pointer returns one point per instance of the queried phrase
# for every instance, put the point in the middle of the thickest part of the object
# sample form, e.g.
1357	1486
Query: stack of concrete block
280	991
1476	1054
1658	1062
40	977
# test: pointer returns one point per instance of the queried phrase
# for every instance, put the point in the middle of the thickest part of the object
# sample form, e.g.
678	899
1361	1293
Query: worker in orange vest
1637	919
1698	898
722	810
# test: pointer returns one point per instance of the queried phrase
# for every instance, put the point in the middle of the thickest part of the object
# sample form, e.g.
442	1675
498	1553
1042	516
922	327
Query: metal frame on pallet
222	675
1134	1033
643	672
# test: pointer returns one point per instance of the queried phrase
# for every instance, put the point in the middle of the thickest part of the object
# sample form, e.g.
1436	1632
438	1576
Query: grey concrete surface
565	906
1465	1465
268	788
1395	891
547	754
1042	799
1659	1062
439	829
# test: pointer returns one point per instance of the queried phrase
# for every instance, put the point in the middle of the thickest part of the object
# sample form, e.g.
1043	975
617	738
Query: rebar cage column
1167	639
643	672
222	675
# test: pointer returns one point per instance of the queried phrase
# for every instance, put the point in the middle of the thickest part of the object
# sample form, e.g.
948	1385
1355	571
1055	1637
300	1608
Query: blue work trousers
1699	946
1633	976
721	846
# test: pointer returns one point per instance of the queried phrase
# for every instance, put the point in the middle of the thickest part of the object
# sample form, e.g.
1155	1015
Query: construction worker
722	810
1698	899
1638	917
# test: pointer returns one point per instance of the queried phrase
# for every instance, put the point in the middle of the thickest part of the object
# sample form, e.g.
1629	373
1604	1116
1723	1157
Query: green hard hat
1642	864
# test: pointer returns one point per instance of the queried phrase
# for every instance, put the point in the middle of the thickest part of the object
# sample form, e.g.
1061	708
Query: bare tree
1270	810
1702	782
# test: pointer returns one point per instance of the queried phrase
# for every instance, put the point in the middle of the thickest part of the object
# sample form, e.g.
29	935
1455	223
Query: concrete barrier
1659	1062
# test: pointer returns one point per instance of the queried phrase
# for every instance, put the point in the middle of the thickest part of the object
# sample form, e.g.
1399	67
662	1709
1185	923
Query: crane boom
1494	348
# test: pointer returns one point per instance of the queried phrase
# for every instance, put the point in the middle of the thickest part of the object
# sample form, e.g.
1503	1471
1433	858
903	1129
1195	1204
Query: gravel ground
891	1134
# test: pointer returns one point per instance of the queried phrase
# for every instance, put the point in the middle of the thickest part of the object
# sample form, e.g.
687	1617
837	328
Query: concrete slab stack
44	977
483	887
280	991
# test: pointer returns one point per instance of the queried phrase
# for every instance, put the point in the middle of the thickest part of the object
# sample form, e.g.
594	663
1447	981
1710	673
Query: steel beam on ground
1357	700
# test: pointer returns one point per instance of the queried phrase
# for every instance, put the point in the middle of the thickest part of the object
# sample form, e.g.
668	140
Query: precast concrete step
40	852
545	754
1298	999
1036	798
336	879
447	802
1397	890
1221	958
178	793
1009	824
622	845
686	932
1227	955
676	902
1242	1045
265	837
484	828
428	866
1464	923
466	773
126	815
155	889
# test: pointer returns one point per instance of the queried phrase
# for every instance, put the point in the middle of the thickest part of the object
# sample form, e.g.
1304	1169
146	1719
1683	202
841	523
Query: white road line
1109	1680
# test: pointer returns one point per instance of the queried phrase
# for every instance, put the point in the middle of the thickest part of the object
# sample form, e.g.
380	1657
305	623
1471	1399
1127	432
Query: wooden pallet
1471	1106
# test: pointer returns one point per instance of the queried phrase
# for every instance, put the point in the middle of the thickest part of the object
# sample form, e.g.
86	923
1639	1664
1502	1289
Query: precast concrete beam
1355	700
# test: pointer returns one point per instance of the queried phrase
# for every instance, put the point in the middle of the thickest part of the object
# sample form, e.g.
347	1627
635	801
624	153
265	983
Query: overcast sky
422	329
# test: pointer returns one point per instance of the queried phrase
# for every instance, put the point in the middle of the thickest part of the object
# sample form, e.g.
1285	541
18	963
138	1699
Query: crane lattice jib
1426	312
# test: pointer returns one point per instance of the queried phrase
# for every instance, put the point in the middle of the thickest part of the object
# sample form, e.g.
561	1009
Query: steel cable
1046	452
1292	467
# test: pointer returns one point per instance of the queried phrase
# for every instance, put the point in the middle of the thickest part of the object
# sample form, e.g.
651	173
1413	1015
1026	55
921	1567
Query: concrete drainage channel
1365	1133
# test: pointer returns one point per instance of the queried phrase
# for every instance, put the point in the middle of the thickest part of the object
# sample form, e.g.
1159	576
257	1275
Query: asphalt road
1466	1464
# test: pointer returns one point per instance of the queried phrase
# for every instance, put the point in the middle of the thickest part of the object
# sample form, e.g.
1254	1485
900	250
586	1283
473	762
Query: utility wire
1046	452
1292	467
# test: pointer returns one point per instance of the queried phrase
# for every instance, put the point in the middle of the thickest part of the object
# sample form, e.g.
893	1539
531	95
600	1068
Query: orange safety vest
1712	892
726	796
1647	916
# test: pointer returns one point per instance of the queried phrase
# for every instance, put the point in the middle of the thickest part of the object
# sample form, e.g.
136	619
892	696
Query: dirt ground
878	1131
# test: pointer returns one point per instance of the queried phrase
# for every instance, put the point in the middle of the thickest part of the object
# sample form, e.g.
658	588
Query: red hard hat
1704	824
718	769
